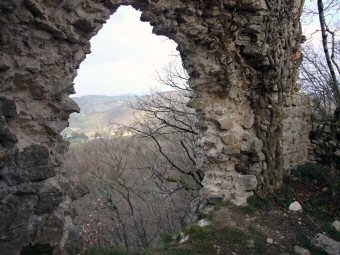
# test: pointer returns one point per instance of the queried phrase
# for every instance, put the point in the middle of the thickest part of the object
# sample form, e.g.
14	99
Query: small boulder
295	207
246	182
203	223
184	239
250	243
301	251
336	225
226	123
270	240
327	244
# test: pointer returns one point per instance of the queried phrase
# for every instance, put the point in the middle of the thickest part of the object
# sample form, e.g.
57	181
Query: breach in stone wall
240	56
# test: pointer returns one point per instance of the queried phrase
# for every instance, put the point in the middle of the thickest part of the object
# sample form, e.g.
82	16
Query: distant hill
97	103
97	113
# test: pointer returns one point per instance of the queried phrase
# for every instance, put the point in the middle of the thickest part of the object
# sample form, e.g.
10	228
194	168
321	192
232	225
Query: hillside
97	113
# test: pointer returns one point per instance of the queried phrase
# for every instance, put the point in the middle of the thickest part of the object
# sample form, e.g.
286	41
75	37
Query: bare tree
320	69
170	123
316	81
329	53
148	181
138	205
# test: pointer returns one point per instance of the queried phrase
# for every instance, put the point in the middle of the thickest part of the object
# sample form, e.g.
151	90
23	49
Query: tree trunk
325	32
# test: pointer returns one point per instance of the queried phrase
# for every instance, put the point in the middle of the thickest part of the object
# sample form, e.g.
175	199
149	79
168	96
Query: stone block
32	156
7	107
232	149
327	244
7	5
4	63
226	123
229	138
7	139
48	199
31	165
246	183
247	121
301	251
2	158
35	8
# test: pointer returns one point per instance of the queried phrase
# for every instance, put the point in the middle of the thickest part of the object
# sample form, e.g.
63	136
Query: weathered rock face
241	56
326	140
296	129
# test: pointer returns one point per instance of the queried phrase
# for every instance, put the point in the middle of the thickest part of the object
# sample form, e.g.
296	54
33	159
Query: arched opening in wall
131	169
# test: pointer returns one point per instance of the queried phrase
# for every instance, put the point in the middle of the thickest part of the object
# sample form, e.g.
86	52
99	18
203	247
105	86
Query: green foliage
208	240
218	203
303	241
99	250
77	138
313	185
97	112
185	184
249	209
311	172
323	185
310	184
37	249
167	238
259	203
332	232
259	243
320	113
172	179
202	215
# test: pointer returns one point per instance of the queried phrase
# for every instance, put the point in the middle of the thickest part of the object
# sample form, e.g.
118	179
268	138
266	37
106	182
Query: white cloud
125	55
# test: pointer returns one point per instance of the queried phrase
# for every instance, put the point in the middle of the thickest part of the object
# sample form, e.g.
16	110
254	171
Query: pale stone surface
227	124
295	207
325	140
301	251
270	240
336	225
246	182
228	52
203	223
296	130
327	244
184	239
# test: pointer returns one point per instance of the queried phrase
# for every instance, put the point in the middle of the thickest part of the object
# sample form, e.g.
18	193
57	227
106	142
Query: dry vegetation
135	196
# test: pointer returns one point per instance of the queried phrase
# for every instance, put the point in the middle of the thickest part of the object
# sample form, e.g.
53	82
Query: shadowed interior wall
242	58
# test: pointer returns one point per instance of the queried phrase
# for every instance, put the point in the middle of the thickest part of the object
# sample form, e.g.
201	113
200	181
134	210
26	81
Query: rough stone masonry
242	58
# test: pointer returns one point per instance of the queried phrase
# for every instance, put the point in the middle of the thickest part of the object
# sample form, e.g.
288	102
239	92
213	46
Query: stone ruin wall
297	126
241	59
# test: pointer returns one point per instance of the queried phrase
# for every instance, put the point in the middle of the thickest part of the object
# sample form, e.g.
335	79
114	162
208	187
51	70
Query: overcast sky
125	56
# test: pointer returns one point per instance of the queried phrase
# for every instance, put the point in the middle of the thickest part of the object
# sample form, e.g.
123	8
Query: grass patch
167	238
309	184
99	250
332	232
258	203
218	203
260	240
304	242
210	240
243	209
312	186
37	249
